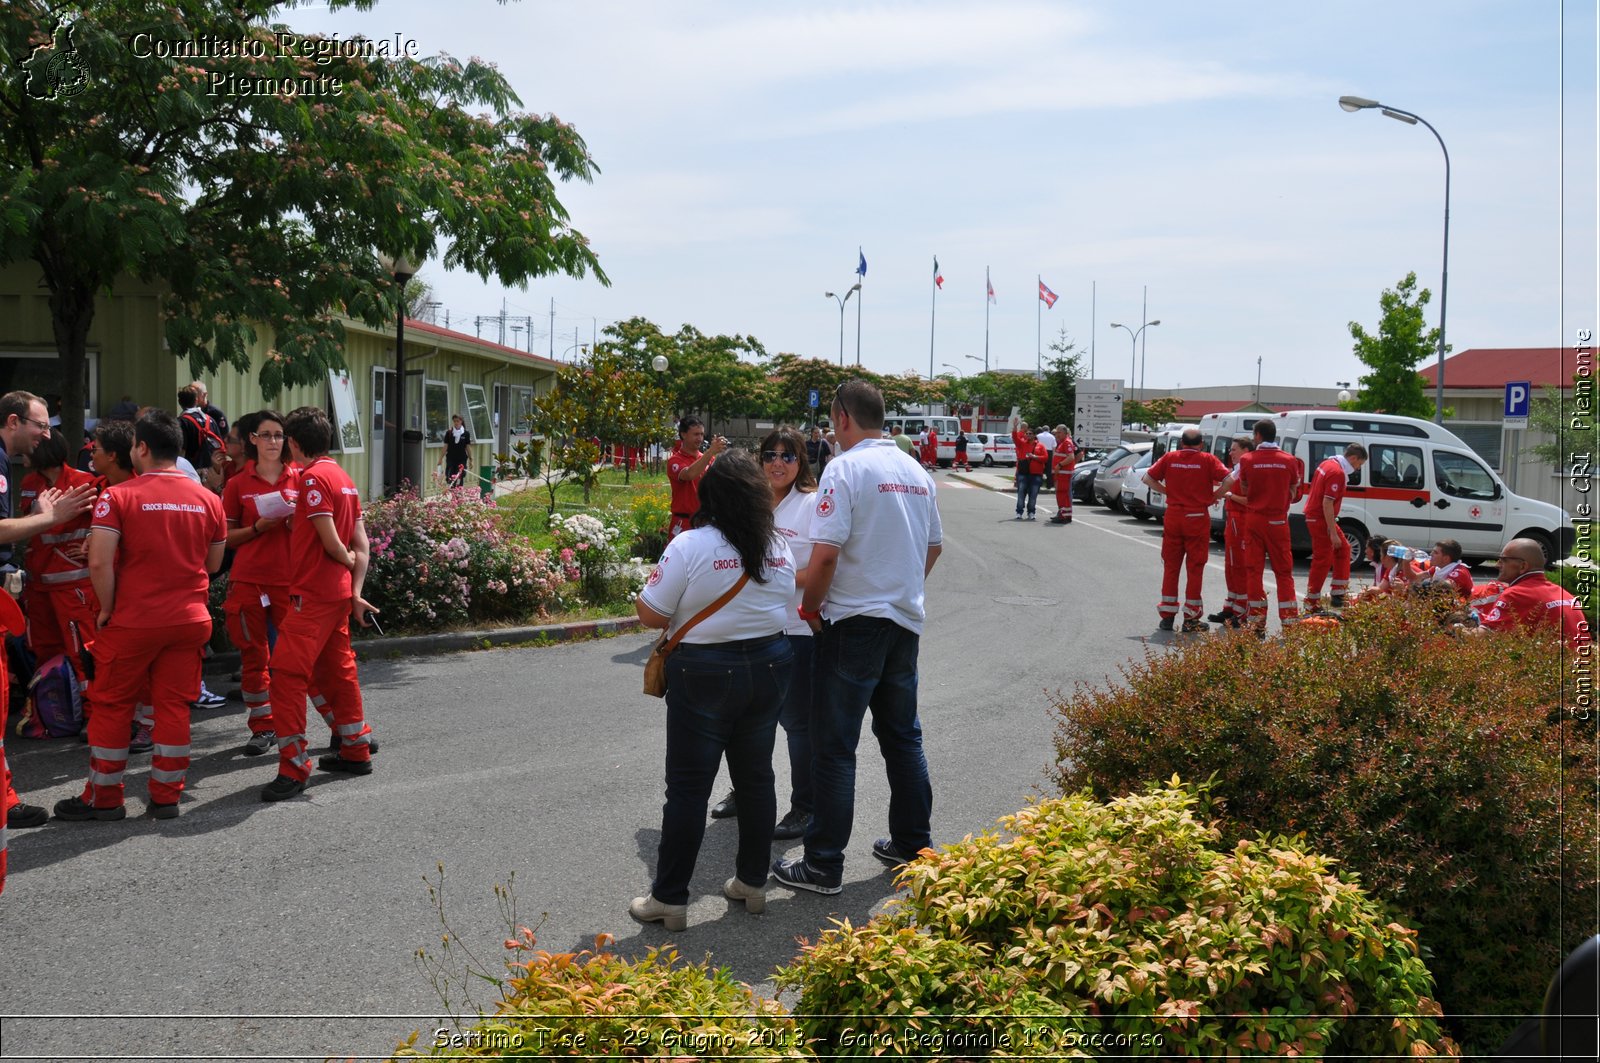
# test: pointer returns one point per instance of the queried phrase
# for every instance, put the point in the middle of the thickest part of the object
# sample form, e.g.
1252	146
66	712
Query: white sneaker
647	909
754	897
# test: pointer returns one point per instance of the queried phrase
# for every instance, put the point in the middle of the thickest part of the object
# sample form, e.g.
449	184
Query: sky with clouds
1194	149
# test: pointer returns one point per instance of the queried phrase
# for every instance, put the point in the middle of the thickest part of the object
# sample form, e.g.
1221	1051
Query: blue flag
861	270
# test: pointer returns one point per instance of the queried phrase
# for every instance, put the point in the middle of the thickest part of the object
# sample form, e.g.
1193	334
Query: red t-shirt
1019	440
685	493
48	552
1268	478
264	559
325	493
167	524
1329	481
1191	477
1532	601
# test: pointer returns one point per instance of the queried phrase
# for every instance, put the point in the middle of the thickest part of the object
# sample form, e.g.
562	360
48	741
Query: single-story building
1474	391
491	385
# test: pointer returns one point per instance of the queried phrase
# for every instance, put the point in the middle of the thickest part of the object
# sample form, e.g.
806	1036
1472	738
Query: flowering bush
650	514
448	560
591	545
1433	766
1120	929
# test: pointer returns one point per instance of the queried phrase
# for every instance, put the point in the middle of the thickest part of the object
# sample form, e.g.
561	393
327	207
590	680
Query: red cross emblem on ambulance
1476	512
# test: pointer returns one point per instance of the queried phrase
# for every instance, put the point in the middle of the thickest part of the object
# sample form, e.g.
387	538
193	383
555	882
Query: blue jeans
1027	491
795	717
722	697
865	663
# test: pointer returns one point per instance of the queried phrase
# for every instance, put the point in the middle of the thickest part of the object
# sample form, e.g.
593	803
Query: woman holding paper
257	502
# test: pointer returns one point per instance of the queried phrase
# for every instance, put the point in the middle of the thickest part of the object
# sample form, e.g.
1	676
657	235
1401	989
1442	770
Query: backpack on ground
55	702
210	442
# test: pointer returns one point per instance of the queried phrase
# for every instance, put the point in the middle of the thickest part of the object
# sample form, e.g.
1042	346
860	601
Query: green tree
1055	397
1403	341
1151	412
259	186
792	379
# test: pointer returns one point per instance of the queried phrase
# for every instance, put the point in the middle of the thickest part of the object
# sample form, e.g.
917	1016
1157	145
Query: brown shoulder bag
655	668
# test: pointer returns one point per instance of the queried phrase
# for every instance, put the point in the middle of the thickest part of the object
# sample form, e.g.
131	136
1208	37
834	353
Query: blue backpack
55	702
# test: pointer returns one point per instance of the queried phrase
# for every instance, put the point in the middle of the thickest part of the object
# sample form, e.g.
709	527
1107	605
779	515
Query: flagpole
933	309
988	287
1145	312
1038	327
859	296
1091	328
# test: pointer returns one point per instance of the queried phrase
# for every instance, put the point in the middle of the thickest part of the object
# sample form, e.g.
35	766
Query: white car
990	449
1108	477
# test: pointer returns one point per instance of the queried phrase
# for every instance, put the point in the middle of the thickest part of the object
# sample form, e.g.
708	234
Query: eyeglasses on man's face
43	426
770	456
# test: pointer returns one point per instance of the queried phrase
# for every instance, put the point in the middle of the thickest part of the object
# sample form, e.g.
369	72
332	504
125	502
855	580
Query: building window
436	411
477	413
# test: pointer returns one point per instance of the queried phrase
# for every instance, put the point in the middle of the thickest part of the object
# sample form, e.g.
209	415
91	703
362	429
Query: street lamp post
845	298
1133	357
659	364
402	269
1358	103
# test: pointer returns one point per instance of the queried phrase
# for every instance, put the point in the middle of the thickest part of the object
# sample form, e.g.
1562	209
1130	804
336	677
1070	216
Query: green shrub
596	1005
1434	767
1119	929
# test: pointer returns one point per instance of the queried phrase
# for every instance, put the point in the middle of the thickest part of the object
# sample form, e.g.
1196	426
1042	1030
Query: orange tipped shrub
1441	769
1119	929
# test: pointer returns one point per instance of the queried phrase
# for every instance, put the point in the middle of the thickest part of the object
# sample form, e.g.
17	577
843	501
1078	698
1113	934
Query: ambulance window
1462	477
1395	466
1321	450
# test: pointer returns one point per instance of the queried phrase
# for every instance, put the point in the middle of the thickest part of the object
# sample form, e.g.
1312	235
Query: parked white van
912	424
1421	483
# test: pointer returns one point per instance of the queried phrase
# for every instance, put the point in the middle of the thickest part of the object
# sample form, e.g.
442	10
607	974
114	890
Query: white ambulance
1420	484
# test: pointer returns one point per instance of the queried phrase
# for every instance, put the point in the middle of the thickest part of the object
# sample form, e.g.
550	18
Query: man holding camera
684	469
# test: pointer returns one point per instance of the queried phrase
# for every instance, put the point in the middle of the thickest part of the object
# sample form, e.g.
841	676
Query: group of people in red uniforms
1259	490
120	565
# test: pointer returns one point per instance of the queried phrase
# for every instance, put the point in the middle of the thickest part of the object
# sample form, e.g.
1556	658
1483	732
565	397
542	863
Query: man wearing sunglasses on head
875	535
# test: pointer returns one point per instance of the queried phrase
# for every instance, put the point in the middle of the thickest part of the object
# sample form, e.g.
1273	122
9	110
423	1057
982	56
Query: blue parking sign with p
814	398
1519	396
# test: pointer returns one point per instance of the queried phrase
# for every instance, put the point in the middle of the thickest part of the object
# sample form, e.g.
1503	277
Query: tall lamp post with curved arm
402	269
1134	356
845	298
1359	103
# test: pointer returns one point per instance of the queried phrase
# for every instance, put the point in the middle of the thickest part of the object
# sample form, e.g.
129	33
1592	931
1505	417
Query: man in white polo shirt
876	535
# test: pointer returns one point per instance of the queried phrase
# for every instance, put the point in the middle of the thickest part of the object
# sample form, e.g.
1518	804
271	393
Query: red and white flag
938	278
990	283
1047	295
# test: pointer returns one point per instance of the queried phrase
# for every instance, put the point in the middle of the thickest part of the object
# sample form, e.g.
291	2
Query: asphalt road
289	931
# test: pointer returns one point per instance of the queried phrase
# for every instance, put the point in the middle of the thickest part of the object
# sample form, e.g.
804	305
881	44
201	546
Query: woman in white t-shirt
783	459
725	681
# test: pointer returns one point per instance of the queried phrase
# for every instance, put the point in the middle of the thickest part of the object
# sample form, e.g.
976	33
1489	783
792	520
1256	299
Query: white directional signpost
1099	420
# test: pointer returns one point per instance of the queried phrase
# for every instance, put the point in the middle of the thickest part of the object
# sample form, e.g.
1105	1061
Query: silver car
1108	478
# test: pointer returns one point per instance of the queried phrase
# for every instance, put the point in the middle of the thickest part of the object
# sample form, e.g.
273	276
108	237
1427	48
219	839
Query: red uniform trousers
1235	570
44	634
314	643
129	660
1325	556
1268	537
76	610
1185	542
1063	494
247	626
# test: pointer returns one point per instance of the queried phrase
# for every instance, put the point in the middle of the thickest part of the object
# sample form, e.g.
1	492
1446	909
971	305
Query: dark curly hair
736	499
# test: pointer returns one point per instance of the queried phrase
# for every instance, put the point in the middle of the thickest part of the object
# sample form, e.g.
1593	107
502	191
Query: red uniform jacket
1268	478
1532	601
1329	481
1191	478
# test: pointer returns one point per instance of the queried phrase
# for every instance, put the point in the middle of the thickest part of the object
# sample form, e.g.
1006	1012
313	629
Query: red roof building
1495	367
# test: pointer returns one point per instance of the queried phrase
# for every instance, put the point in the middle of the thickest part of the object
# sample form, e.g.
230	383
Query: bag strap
672	643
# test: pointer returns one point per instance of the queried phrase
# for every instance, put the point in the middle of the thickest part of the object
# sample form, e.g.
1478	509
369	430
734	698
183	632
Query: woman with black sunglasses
783	459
